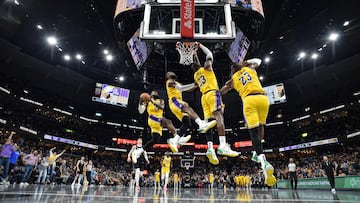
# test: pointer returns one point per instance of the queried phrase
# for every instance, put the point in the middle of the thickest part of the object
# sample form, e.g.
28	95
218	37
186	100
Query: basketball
145	96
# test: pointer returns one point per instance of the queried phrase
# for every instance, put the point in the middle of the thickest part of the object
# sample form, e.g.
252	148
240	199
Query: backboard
212	20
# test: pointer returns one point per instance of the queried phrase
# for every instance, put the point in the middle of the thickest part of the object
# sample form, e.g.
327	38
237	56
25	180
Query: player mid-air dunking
255	108
181	109
156	121
212	104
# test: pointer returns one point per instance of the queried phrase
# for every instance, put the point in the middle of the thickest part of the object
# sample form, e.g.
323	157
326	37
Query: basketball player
138	166
255	108
211	180
176	181
212	104
165	169
292	173
79	171
181	109
157	179
156	122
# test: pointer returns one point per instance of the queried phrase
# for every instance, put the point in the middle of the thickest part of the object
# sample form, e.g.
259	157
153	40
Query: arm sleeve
141	108
145	156
184	87
207	52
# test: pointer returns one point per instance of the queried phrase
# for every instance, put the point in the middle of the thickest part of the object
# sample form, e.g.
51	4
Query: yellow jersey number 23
245	78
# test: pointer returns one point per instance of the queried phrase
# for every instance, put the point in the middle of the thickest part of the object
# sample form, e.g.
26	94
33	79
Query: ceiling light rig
267	59
333	36
52	40
314	56
67	57
78	56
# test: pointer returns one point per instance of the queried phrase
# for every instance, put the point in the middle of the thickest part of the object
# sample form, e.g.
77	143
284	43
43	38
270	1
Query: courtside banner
187	12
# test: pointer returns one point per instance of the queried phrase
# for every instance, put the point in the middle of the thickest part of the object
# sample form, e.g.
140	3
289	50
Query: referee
292	173
328	170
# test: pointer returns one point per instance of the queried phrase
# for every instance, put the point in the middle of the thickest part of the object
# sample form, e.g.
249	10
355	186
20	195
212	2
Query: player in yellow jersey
156	121
176	180
165	169
182	110
157	179
212	104
247	182
211	181
255	108
138	166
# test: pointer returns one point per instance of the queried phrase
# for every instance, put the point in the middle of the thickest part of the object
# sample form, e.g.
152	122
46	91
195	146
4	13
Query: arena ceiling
85	27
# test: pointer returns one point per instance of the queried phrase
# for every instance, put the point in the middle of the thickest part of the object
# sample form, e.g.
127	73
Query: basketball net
187	166
186	51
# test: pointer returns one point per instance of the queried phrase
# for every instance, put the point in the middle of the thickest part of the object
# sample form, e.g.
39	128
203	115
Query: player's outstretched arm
229	85
130	152
209	57
187	87
146	157
141	106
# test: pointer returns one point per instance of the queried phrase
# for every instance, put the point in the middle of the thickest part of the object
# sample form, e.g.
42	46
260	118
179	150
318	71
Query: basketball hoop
186	51
187	165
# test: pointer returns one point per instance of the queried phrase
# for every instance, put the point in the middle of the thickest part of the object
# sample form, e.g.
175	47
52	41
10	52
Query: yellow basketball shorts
211	101
175	106
155	124
256	108
165	170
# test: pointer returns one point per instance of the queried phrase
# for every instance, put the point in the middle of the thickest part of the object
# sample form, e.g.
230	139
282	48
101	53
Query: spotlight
346	23
271	52
78	56
16	2
281	37
83	62
302	55
267	60
106	52
314	56
261	77
39	27
52	40
67	57
121	78
109	57
333	36
304	134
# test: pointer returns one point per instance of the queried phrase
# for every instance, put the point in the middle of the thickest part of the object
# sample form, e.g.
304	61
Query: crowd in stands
36	163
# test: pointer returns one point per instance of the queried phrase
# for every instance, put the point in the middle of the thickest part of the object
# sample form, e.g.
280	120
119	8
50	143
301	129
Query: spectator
13	159
89	168
30	162
44	164
6	151
52	160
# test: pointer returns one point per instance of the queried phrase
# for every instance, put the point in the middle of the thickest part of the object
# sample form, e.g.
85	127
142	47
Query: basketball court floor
57	193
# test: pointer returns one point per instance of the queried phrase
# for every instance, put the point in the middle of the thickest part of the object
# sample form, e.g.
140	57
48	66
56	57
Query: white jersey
292	167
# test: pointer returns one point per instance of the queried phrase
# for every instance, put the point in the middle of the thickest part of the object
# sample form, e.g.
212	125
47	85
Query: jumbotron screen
276	93
109	94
